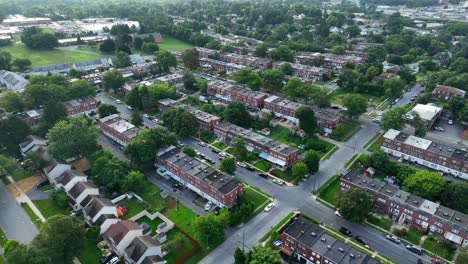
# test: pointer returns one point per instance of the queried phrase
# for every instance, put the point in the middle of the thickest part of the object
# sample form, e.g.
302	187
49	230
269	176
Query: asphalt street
406	97
13	219
292	198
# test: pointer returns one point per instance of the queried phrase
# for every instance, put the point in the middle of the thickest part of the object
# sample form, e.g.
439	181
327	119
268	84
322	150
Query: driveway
13	219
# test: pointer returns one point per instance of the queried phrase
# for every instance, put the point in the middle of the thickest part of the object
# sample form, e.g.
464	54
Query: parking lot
452	134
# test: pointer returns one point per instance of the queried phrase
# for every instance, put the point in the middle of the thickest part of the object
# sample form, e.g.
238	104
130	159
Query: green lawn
33	216
48	208
3	238
371	140
350	160
182	218
133	206
285	175
413	236
170	43
349	130
445	251
255	197
328	193
381	222
321	146
153	224
376	145
283	135
47	57
230	151
173	256
150	193
220	145
90	252
94	48
263	165
329	153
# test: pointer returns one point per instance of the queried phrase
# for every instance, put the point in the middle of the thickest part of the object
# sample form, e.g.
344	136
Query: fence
191	251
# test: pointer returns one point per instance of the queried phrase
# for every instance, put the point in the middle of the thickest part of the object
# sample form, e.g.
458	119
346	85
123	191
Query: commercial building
74	41
219	188
22	21
308	73
226	91
269	149
12	81
428	113
205	120
118	129
443	92
84	105
435	155
309	243
405	208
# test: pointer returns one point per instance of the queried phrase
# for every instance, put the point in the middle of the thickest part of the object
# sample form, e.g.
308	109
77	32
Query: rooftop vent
398	195
351	255
313	234
323	239
205	171
446	214
415	202
373	185
328	246
388	191
458	219
341	249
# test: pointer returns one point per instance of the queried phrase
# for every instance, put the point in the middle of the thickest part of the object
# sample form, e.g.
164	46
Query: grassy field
349	128
220	145
285	175
376	145
371	140
445	251
282	134
381	222
90	252
170	43
329	192
33	216
3	238
153	224
413	236
173	256
48	208
263	165
133	206
253	196
150	193
46	57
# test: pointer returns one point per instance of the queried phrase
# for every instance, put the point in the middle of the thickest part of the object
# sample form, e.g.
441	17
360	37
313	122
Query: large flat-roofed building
12	81
205	120
175	79
309	243
31	117
218	65
74	41
229	92
84	105
405	208
435	155
22	21
271	150
305	72
428	113
219	188
118	129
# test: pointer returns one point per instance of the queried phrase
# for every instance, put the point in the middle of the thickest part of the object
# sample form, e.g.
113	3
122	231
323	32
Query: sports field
170	43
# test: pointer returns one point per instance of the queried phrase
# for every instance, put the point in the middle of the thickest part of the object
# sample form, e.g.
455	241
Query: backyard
441	249
285	175
413	236
90	252
47	57
188	244
134	207
151	194
262	165
220	145
49	208
153	224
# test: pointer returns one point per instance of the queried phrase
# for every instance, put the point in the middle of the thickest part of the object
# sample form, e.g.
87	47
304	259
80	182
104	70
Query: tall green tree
149	47
166	60
228	165
273	80
293	88
53	112
237	114
282	53
209	229
109	171
239	256
190	83
81	88
425	184
264	254
180	121
134	181
112	79
420	128
307	121
14	130
456	104
136	119
143	148
312	160
393	87
72	138
122	60
38	38
240	150
107	46
190	58
134	98
11	101
394	118
356	105
299	170
455	196
354	204
107	110
22	64
5	60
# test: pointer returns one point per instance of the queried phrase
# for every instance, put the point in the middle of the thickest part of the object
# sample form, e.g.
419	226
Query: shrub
400	232
316	144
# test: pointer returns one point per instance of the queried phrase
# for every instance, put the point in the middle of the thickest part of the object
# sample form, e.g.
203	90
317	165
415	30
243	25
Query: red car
362	241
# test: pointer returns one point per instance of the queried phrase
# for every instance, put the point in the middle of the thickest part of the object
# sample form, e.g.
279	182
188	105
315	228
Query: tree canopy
354	204
180	121
307	121
425	184
237	114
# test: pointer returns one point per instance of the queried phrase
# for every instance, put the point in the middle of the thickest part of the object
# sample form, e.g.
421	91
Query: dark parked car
177	185
346	232
211	161
362	241
250	168
263	175
414	249
41	184
215	150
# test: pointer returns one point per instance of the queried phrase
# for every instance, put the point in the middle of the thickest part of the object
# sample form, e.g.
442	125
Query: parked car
41	184
118	101
223	154
197	152
211	161
146	115
450	122
216	211
241	164
279	182
269	207
106	259
176	185
263	175
346	232
414	249
337	213
129	107
250	168
439	128
362	241
201	143
208	205
394	239
114	260
376	120
180	143
215	150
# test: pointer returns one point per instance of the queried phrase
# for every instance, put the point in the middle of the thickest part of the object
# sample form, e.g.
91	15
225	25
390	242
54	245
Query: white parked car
118	101
439	129
337	213
129	107
203	144
223	154
394	239
279	182
450	122
197	152
208	205
146	115
241	164
269	207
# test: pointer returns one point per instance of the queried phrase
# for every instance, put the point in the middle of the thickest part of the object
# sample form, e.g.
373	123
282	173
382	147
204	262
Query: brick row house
205	120
448	159
228	92
217	187
221	66
118	129
330	61
31	117
309	243
269	149
405	208
305	72
85	105
246	60
443	92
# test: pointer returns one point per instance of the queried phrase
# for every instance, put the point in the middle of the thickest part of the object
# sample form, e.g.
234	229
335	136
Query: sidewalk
23	198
